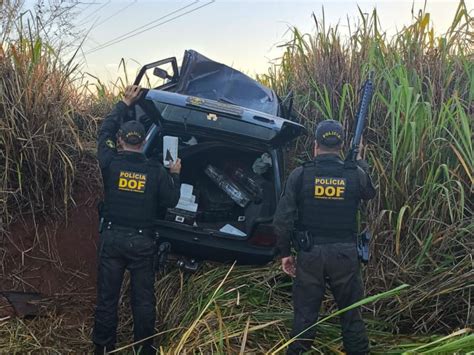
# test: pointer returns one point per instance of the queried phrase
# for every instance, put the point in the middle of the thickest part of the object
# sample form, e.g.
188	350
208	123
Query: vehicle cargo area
226	190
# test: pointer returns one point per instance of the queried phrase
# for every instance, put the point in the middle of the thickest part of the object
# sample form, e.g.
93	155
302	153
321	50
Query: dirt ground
55	258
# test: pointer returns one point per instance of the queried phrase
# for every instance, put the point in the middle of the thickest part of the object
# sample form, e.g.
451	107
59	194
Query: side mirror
161	73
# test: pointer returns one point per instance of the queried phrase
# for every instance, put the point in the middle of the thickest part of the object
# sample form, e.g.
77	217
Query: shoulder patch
348	164
110	143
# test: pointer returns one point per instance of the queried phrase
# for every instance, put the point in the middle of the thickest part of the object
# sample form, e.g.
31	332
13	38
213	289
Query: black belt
327	238
109	225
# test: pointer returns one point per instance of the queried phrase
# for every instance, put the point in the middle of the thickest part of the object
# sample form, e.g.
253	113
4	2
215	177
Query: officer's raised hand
175	168
132	94
289	266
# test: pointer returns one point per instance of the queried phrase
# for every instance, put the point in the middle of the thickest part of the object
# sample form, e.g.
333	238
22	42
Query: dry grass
42	129
420	147
219	310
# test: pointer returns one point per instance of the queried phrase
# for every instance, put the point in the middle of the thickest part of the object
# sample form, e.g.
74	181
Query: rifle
368	90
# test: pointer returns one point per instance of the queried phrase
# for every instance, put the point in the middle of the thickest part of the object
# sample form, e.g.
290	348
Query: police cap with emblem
329	133
132	132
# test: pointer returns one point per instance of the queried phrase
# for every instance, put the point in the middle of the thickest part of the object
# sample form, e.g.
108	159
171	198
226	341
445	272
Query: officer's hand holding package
135	187
175	168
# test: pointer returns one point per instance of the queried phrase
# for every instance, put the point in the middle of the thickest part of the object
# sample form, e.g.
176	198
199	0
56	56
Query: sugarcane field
236	177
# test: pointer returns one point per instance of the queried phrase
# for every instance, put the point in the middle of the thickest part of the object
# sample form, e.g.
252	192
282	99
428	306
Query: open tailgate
178	114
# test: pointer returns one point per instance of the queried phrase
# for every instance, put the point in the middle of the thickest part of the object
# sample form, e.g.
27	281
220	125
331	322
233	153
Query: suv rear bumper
207	246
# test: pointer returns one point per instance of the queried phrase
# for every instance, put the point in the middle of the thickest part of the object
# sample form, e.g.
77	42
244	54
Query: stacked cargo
186	209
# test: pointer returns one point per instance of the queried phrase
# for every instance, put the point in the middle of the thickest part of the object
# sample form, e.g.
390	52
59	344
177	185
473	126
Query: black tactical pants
121	249
337	264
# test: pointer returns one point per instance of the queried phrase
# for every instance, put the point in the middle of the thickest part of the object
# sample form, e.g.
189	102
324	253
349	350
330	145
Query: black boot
144	350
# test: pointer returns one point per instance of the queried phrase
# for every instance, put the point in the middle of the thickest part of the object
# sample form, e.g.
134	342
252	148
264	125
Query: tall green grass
420	148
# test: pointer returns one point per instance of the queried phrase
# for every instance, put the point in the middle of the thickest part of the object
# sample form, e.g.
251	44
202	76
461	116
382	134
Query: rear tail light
264	235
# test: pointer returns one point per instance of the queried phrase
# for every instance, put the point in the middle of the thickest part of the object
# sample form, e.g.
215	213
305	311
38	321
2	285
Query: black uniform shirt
169	184
287	210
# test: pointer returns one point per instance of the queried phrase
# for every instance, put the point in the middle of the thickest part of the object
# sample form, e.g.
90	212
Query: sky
244	34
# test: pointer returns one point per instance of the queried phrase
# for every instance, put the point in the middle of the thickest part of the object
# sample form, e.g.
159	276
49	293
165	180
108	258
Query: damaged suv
230	137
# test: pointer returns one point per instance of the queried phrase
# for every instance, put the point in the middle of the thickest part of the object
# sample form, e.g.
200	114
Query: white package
187	200
187	206
187	190
229	229
170	150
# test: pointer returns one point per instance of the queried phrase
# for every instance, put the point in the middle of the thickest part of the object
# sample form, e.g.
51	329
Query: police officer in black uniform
321	200
135	187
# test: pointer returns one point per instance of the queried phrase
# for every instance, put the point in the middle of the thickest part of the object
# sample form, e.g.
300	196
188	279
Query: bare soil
54	258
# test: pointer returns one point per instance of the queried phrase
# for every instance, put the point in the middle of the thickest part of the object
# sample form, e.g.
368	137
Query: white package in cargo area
187	206
187	190
191	199
229	229
187	200
170	150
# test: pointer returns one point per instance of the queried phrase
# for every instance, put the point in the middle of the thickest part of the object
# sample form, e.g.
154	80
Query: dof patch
132	181
329	188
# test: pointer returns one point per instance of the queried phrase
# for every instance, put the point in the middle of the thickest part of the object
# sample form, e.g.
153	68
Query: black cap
329	133
132	132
